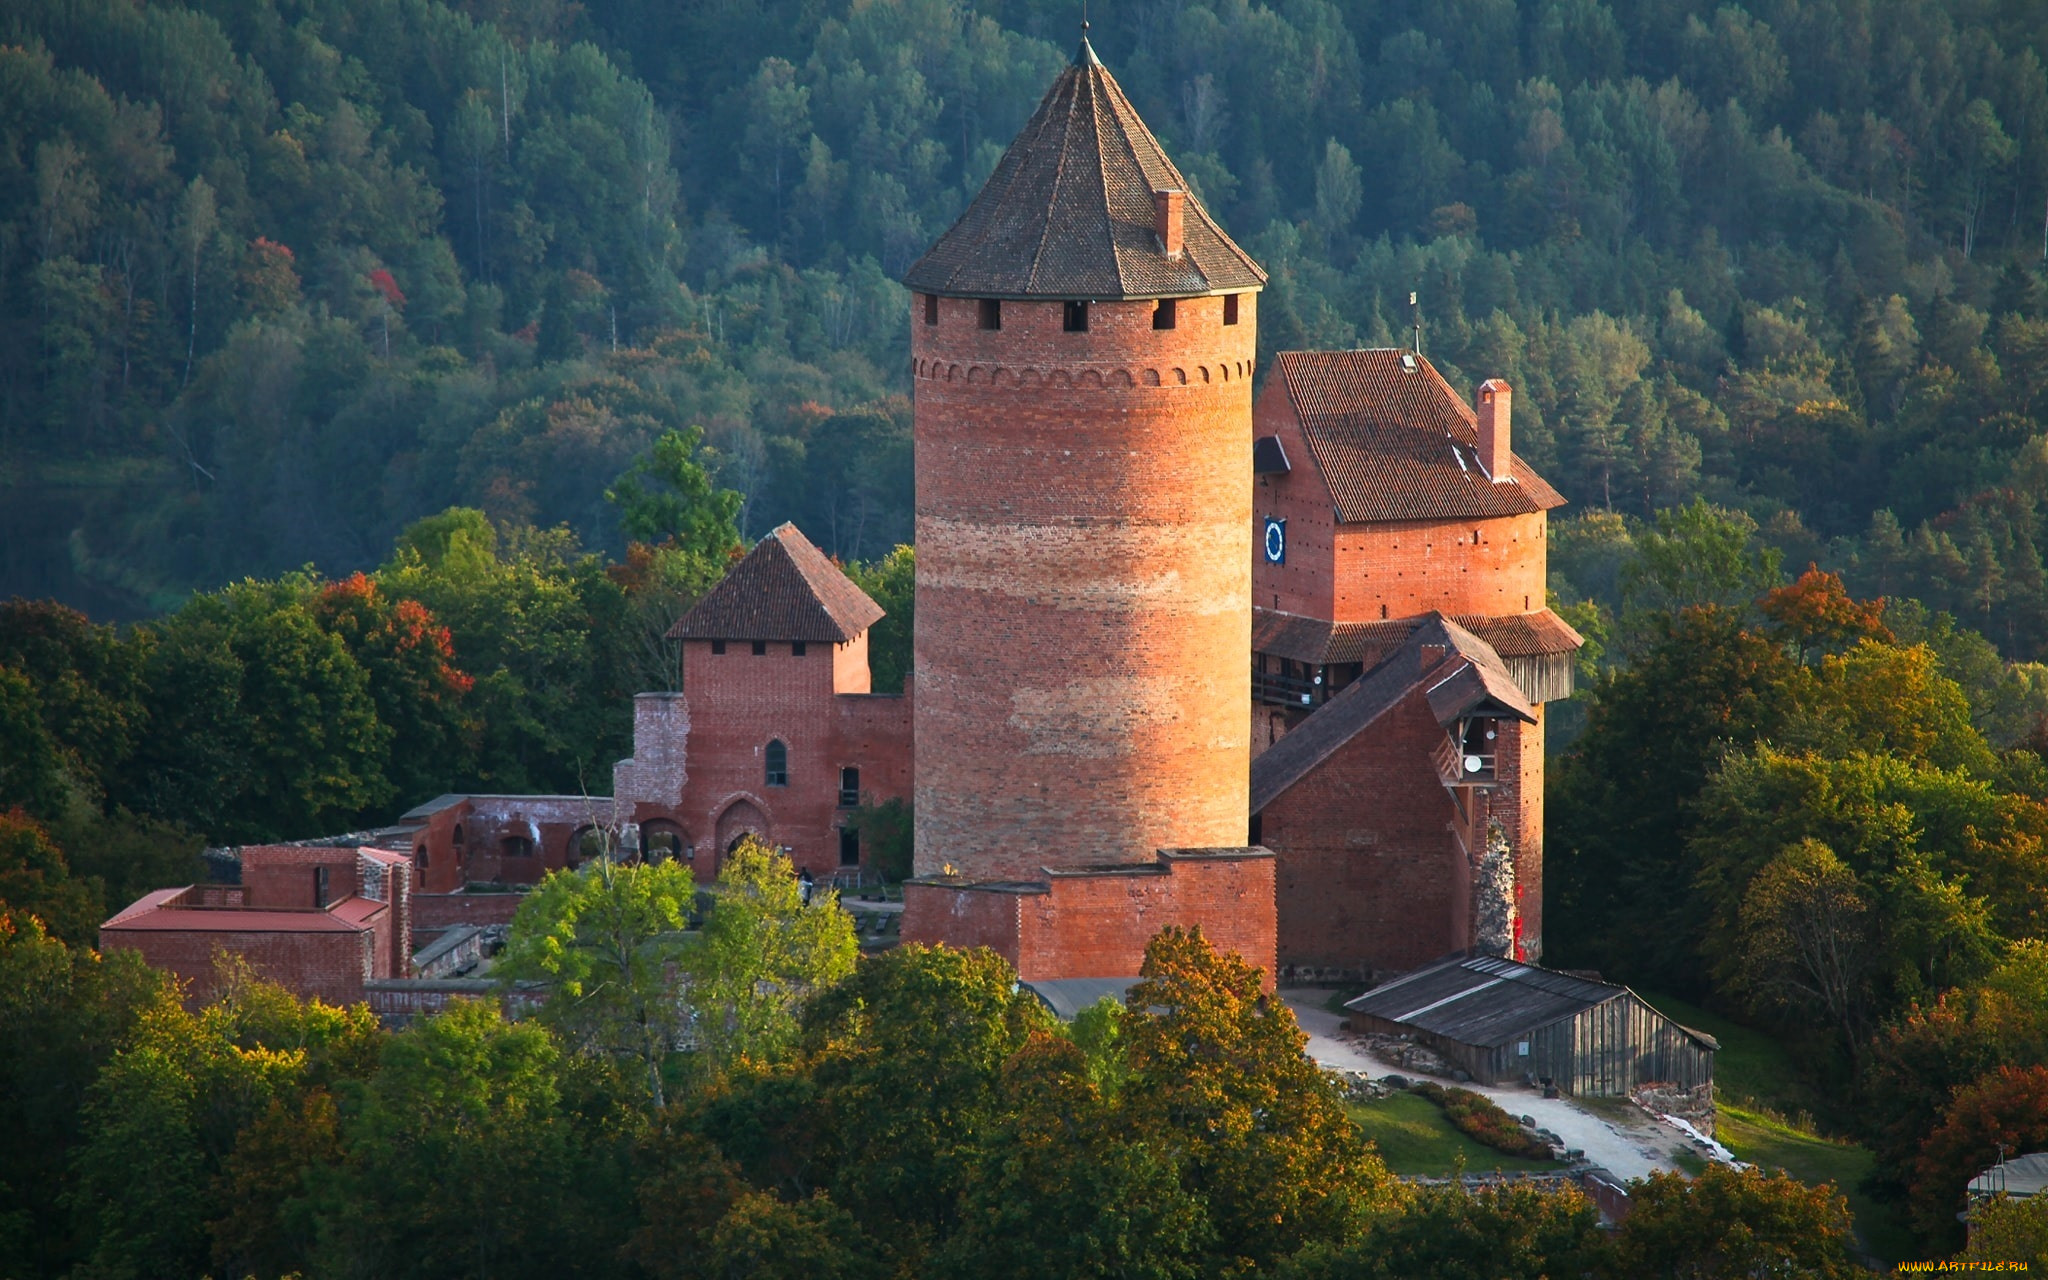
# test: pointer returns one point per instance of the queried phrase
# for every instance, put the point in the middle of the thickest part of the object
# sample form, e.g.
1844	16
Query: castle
1274	669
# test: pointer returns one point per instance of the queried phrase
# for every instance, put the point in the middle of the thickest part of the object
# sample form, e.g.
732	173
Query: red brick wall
1492	567
281	877
1096	926
435	911
1083	578
819	706
1369	875
327	965
1305	583
1083	925
962	917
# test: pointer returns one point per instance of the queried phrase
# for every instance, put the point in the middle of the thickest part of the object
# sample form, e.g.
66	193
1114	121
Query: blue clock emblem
1276	541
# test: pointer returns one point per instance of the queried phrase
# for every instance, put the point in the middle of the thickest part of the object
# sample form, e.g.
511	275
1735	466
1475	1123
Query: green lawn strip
1751	1068
1417	1140
1773	1144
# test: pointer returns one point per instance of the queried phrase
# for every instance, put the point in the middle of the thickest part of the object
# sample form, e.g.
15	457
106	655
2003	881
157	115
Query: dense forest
280	278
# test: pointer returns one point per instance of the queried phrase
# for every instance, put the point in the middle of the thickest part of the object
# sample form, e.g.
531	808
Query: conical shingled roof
784	590
1068	212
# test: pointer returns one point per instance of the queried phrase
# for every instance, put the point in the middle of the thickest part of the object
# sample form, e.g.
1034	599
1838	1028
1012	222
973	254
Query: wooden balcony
1464	769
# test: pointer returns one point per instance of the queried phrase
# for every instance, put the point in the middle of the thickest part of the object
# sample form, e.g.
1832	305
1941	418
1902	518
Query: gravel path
1628	1144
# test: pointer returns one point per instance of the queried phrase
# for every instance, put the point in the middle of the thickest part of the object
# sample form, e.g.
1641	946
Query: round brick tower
1083	342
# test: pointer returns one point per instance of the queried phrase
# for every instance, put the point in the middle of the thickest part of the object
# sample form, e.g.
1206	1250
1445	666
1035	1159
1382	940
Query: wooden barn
1503	1021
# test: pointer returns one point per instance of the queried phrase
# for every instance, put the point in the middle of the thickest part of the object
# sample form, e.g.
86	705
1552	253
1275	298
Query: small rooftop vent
1408	361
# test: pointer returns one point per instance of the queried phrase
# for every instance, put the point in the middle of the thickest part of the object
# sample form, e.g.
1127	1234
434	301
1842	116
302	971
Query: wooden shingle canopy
786	589
1070	213
1459	674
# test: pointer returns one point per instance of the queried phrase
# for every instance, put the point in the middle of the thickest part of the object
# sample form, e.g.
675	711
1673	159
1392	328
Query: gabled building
322	920
1400	539
776	732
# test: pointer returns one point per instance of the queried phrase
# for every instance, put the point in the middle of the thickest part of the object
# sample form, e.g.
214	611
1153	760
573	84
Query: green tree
460	1091
892	582
668	496
63	1014
2008	1230
1726	1225
906	1057
765	952
1064	1185
35	881
1451	1233
605	942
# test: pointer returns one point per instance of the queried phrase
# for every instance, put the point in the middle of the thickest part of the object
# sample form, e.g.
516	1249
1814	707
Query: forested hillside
281	276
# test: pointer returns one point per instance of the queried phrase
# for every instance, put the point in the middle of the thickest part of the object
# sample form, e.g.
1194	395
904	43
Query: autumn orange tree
1219	1079
2006	1110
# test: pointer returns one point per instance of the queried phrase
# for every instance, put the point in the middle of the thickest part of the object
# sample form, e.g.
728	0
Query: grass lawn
1416	1139
1773	1144
1751	1068
1754	1075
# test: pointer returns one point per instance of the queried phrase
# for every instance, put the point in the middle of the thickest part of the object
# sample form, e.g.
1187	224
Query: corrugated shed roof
1316	642
1436	649
1068	212
1066	997
1483	1000
1395	442
2023	1176
784	590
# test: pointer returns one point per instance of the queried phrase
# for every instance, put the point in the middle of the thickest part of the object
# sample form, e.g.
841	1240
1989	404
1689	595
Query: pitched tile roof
1394	442
1316	642
784	590
1438	653
1068	212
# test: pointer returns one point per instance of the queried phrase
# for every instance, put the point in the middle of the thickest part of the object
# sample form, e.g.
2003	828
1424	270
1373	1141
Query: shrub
1481	1119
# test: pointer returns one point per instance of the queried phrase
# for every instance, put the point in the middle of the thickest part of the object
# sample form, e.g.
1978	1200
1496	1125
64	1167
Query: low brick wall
1095	922
431	911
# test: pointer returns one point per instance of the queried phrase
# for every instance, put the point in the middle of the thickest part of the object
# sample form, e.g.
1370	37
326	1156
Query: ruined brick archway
741	818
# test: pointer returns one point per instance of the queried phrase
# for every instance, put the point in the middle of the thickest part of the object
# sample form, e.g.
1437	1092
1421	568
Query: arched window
778	763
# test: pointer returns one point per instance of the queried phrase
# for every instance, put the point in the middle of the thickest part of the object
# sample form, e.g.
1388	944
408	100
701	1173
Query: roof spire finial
1085	55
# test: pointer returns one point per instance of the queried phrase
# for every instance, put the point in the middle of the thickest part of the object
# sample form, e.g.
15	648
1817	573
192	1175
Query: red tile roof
784	590
1395	442
157	912
1068	212
1311	640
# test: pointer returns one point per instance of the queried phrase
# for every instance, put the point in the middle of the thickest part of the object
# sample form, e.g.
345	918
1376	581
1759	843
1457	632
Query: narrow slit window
931	308
991	313
1162	315
777	759
1077	317
1230	308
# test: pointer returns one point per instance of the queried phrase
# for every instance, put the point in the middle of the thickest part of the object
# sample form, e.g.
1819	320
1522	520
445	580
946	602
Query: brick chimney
1494	405
1167	208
